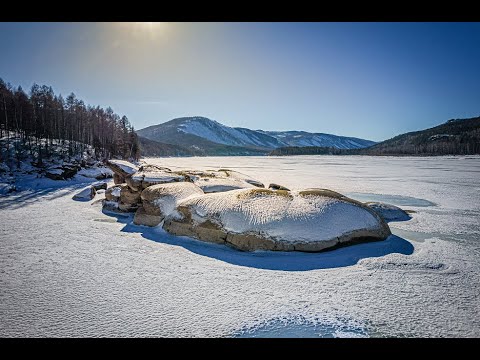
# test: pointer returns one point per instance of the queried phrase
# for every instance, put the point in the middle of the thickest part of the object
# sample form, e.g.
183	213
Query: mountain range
202	136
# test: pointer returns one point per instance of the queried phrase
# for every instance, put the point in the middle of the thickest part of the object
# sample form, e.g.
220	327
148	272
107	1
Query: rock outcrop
262	219
389	212
121	169
149	175
113	193
66	171
117	179
99	185
142	218
86	194
96	171
129	199
274	186
227	207
220	180
160	200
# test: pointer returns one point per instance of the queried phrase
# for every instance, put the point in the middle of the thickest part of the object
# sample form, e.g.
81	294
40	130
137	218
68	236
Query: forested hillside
454	137
41	118
306	150
154	148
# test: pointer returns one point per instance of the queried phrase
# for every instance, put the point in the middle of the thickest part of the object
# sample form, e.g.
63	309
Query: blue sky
369	80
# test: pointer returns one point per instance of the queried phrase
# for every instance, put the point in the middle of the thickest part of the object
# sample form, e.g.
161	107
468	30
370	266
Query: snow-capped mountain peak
199	131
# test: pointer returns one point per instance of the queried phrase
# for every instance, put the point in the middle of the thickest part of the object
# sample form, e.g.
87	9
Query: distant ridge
454	137
209	137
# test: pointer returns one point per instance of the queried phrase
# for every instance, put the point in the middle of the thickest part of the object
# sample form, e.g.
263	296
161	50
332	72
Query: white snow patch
116	191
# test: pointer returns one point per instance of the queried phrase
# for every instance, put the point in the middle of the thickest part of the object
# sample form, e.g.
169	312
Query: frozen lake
67	269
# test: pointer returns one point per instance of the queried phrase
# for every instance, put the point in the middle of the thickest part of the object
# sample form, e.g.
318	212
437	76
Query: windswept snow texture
297	219
67	269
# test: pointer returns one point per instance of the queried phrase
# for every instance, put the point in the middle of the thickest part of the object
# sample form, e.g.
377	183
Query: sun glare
150	27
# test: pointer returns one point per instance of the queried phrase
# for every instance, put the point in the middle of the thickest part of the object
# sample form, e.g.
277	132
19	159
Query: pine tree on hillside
42	117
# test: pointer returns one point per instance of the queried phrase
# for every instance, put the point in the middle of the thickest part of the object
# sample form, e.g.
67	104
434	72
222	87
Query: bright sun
146	31
151	27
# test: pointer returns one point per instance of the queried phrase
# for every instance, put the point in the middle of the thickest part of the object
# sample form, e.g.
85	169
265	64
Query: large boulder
274	186
161	199
113	193
122	168
86	194
241	177
129	199
117	179
70	170
220	180
142	218
149	175
96	172
99	185
54	174
66	171
121	198
389	212
111	206
262	219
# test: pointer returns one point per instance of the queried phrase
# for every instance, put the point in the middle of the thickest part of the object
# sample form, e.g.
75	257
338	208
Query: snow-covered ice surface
67	269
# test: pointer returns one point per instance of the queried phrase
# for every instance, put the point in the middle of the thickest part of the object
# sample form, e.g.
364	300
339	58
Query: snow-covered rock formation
389	212
86	194
262	219
227	207
161	200
221	180
148	175
121	169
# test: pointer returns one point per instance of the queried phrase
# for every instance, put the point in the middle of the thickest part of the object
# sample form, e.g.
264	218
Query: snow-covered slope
303	138
193	130
219	133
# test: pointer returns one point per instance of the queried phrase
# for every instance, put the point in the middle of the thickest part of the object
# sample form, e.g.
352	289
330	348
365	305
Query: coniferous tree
41	119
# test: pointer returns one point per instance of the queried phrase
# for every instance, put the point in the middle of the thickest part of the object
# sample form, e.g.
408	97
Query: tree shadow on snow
273	260
28	196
